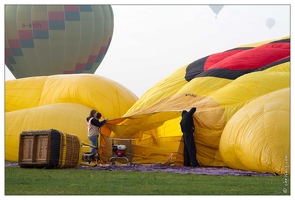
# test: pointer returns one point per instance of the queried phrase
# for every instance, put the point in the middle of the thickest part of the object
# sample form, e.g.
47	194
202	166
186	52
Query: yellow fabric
152	121
60	102
214	108
257	137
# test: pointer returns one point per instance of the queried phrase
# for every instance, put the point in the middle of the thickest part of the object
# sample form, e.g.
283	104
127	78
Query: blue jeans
93	142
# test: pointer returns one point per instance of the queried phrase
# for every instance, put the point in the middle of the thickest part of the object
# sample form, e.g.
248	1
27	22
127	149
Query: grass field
23	181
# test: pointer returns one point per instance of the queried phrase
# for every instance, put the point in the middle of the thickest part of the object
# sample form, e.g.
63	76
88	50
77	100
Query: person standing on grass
188	129
94	126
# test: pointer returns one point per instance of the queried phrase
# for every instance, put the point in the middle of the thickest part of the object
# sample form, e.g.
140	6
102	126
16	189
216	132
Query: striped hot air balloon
56	39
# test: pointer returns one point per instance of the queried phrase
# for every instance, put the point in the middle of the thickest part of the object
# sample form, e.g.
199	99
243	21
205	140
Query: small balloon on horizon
270	22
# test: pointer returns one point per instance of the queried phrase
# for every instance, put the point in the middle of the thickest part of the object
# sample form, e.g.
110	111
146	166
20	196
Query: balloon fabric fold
241	95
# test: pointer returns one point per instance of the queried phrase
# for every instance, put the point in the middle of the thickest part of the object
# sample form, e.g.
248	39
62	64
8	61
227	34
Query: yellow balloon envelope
257	137
60	102
224	87
218	85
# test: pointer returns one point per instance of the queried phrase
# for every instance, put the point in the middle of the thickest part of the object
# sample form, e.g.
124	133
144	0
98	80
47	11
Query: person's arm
95	122
192	111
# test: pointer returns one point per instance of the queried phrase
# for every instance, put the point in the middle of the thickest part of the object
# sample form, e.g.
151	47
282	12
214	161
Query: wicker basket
49	149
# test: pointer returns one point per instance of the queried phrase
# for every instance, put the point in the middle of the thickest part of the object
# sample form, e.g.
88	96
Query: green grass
25	181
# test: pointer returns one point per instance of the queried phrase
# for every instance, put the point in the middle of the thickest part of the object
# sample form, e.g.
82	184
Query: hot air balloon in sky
216	8
56	39
270	22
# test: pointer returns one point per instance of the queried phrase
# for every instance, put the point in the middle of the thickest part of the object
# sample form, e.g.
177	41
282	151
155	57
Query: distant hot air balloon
43	40
270	22
216	8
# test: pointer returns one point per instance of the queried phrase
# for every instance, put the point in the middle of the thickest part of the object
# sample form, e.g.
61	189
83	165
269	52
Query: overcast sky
152	41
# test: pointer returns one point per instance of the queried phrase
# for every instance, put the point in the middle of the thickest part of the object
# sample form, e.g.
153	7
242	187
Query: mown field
30	181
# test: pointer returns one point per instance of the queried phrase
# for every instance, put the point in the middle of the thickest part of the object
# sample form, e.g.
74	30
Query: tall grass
22	181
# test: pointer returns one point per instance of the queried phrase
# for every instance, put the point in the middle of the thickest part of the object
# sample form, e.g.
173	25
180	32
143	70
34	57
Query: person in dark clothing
188	128
94	125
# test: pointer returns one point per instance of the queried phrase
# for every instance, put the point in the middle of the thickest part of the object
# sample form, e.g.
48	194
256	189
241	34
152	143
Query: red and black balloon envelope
242	120
42	40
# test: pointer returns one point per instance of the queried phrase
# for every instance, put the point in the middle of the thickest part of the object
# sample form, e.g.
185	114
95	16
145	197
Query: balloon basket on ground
48	149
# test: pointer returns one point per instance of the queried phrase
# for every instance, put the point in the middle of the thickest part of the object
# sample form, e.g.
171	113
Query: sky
151	41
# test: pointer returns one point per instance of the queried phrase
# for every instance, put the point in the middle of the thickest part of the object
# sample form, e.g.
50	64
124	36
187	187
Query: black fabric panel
274	64
281	41
195	68
224	73
240	48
